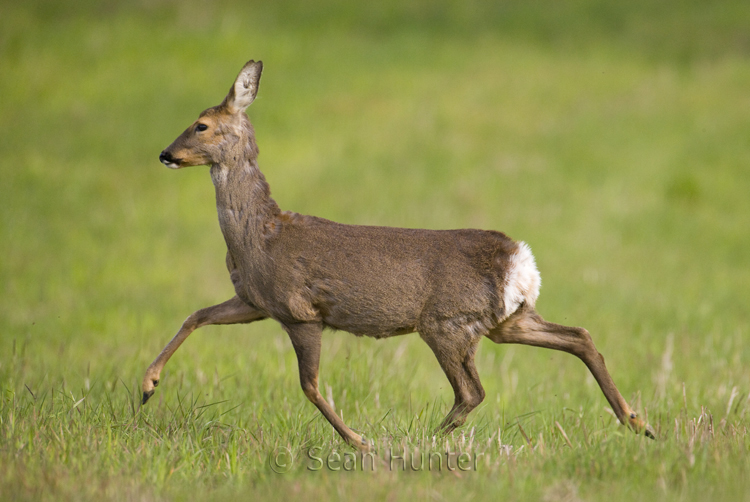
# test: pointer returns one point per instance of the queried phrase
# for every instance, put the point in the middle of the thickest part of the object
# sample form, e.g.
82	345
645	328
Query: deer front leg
306	339
233	311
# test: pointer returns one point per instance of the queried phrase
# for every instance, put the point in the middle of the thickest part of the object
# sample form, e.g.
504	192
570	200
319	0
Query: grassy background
612	137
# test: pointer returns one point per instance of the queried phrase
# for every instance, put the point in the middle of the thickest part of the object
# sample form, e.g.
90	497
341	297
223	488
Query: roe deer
453	287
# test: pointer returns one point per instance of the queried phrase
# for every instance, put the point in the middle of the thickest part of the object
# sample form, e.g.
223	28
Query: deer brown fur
453	287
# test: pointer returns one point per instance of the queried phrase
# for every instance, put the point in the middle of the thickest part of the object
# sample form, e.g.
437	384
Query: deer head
222	134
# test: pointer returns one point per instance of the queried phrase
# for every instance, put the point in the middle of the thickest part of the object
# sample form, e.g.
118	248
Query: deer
452	287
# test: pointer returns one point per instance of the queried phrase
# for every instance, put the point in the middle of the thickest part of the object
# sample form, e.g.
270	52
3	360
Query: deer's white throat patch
219	174
522	280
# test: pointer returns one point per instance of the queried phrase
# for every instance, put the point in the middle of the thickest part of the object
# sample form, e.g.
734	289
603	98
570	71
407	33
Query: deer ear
243	92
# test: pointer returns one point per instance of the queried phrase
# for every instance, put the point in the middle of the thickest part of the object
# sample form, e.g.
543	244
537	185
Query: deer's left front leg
306	339
233	311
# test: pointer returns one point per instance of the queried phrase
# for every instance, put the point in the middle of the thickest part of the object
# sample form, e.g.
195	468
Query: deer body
452	286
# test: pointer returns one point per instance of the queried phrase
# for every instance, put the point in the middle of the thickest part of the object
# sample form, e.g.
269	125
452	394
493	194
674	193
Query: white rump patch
522	280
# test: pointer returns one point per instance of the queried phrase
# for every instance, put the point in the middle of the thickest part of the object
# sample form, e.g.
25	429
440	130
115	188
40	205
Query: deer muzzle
168	160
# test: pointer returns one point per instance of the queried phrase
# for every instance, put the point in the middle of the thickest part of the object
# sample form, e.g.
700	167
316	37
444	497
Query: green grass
612	137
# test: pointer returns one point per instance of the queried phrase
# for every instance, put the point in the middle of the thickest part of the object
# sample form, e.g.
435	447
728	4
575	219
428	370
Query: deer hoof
649	432
146	396
363	445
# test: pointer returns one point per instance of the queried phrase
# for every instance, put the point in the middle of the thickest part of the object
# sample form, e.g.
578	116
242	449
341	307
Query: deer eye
201	127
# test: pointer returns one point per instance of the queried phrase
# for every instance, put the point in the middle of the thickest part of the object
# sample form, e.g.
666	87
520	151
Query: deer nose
166	158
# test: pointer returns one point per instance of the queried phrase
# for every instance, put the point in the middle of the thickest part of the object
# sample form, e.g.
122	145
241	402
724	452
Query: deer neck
244	204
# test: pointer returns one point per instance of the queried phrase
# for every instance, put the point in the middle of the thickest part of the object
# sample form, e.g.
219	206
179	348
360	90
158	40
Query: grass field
614	138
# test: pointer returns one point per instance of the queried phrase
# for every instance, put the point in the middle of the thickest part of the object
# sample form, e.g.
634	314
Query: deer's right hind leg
526	327
232	311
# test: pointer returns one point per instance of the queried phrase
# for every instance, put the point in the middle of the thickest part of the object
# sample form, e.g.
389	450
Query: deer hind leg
455	353
526	327
232	311
306	339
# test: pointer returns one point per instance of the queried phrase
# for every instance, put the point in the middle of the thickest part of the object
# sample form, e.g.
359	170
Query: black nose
167	159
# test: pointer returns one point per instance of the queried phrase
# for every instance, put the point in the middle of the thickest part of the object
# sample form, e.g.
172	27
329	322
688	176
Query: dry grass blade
564	435
523	433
